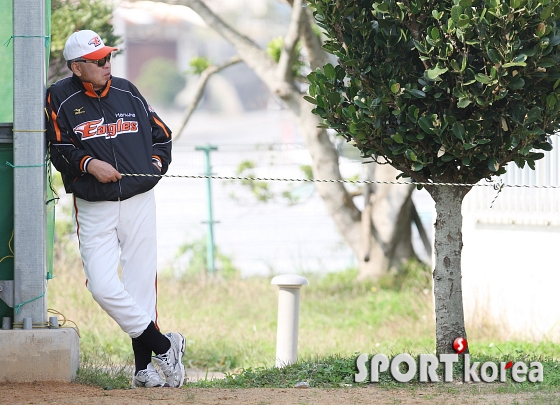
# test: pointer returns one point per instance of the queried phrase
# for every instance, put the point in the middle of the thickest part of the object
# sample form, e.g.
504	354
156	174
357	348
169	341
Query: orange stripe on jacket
82	162
161	125
53	117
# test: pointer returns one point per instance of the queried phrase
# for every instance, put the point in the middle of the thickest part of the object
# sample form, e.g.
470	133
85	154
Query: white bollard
288	317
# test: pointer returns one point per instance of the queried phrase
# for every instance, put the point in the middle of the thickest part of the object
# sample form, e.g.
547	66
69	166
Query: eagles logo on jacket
115	125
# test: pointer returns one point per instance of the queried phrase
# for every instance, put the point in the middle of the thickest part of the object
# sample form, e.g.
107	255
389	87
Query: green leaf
511	64
545	146
310	99
416	93
341	73
463	102
329	71
463	22
555	40
360	103
435	72
395	88
398	138
381	7
437	14
420	47
493	164
455	65
458	130
333	97
482	78
434	33
551	100
516	83
546	63
417	166
411	155
456	12
533	115
426	125
494	56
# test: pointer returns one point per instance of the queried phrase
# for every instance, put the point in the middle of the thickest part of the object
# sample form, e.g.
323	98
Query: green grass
230	326
98	369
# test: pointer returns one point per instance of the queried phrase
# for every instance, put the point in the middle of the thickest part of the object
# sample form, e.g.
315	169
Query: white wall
511	278
511	274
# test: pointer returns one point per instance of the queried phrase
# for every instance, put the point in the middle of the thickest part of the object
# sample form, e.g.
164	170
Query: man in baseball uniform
100	126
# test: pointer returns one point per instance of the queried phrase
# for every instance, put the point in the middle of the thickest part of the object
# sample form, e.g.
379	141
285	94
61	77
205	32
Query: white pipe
288	317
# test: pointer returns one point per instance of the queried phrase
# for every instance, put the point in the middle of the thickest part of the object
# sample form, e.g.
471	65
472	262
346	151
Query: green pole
210	237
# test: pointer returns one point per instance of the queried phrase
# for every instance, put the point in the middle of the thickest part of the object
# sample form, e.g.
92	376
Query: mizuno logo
78	111
96	128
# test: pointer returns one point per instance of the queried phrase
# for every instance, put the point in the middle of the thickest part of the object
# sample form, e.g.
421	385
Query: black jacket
115	125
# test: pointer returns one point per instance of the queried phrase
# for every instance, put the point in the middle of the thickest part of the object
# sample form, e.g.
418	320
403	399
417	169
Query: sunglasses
99	62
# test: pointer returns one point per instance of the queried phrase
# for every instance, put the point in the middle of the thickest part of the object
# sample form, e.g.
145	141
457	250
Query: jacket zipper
112	146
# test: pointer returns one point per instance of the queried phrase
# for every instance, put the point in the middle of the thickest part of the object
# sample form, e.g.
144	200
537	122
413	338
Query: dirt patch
76	394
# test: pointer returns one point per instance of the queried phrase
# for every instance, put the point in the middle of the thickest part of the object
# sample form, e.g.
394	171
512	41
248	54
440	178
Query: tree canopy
445	90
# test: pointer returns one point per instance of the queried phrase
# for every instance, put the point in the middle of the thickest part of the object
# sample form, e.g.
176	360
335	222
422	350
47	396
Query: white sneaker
148	378
171	363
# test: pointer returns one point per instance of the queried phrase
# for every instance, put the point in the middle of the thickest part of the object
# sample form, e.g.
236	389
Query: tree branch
255	57
284	70
200	86
318	57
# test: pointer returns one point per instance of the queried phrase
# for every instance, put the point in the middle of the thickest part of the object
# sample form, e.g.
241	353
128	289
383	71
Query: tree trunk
450	320
324	161
386	241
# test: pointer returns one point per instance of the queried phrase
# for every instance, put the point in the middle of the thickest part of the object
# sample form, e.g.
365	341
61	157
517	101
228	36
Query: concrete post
30	263
288	317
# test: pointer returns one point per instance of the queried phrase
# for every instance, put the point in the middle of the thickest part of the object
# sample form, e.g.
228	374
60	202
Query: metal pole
210	236
30	263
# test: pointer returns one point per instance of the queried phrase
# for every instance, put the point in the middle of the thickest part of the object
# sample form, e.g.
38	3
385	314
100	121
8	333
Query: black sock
154	339
142	355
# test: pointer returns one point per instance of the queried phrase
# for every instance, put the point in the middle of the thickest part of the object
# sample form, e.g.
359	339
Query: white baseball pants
107	228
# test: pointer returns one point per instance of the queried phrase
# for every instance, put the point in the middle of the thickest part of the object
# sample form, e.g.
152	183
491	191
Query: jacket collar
88	87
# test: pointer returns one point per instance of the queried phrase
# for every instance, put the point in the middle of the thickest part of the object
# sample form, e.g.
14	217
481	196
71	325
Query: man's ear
76	69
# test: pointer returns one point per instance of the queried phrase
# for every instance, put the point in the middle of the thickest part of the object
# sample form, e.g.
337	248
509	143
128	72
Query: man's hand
103	171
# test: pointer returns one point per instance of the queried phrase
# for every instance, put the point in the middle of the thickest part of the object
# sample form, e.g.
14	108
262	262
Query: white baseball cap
86	44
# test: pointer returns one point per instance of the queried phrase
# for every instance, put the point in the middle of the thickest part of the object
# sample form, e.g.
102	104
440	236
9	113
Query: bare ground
76	394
